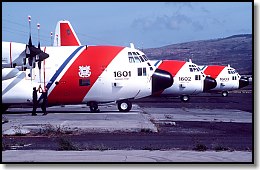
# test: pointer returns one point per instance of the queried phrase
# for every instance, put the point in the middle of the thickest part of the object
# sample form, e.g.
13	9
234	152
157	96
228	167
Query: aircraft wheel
124	105
185	98
93	107
224	93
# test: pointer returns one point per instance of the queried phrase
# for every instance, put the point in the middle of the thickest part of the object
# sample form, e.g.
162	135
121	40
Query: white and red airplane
79	74
227	78
188	79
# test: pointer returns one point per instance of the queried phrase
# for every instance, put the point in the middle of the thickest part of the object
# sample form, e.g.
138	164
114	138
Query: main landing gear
225	93
93	106
185	98
122	105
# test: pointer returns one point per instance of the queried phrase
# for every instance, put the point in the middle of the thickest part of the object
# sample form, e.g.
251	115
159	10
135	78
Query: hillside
235	50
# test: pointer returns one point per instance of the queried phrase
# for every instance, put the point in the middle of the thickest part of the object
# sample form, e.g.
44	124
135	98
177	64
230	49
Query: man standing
35	102
44	100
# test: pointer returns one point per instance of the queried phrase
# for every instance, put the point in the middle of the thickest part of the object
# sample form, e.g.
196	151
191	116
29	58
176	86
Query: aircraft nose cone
209	83
161	80
243	81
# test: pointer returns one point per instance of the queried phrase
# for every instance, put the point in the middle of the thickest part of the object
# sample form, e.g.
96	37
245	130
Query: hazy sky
146	24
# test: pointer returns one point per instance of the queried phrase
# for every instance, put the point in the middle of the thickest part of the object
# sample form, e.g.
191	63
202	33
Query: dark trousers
35	105
44	105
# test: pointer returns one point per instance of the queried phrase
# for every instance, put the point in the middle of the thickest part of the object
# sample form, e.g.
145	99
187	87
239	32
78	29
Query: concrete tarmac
126	156
77	119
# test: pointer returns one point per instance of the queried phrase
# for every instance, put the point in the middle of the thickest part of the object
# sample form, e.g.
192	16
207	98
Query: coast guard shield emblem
84	71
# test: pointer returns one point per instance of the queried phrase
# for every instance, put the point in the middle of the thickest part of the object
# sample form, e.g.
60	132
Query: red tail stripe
66	35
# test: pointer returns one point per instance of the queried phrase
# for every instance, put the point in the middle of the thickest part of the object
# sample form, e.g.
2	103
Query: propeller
32	53
37	57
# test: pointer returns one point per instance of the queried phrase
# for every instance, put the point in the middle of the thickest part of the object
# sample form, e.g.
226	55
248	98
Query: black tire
185	98
93	106
124	105
224	93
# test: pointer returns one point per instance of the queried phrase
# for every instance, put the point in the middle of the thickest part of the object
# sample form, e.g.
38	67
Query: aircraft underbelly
183	88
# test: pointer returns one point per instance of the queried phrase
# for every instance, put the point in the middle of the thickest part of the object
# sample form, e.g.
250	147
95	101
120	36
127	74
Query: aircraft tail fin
65	35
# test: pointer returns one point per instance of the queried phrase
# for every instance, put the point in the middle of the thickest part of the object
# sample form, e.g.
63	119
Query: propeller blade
38	27
30	38
31	72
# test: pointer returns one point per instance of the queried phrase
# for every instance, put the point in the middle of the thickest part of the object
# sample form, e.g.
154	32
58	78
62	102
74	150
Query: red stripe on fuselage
213	71
66	35
172	66
68	90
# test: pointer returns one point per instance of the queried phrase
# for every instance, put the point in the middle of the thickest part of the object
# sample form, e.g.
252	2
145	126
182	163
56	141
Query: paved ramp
78	118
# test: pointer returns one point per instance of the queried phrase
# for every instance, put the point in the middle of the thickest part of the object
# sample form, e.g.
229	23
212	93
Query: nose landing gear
124	105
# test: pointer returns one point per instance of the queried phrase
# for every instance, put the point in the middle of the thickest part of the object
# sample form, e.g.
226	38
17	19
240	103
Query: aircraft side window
148	64
139	70
197	77
191	70
84	82
144	71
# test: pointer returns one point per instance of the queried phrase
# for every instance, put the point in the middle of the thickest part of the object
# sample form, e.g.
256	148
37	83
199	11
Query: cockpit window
135	57
137	60
141	59
131	58
231	71
194	68
145	58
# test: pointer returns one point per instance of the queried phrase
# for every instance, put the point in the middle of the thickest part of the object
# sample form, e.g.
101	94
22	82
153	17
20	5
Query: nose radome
161	80
243	81
209	83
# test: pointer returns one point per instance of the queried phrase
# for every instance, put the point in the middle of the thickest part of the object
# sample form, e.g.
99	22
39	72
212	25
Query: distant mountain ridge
235	50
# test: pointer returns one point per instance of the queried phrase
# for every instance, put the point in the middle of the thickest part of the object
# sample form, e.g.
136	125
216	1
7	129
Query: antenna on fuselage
51	39
132	45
